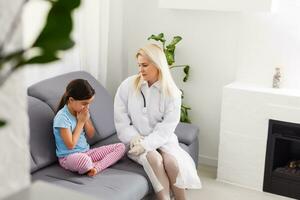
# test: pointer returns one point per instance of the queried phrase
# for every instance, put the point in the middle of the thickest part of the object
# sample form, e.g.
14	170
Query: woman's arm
125	130
89	128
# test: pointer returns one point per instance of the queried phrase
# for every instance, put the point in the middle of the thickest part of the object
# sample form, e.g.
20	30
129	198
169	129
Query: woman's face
78	105
147	69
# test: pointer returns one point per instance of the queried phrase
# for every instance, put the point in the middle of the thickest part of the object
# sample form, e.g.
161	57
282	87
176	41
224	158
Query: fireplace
282	164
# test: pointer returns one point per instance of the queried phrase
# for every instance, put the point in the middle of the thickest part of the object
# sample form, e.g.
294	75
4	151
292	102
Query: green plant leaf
2	123
50	38
173	43
54	37
184	117
170	57
170	50
67	4
186	107
41	59
14	55
160	37
186	70
56	32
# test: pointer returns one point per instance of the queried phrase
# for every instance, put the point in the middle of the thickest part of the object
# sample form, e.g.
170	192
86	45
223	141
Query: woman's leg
77	162
105	156
155	160
172	170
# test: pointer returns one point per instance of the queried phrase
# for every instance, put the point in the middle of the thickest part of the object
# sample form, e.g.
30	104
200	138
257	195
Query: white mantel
246	110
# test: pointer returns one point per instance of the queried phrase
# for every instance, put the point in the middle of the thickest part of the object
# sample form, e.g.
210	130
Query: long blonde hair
156	56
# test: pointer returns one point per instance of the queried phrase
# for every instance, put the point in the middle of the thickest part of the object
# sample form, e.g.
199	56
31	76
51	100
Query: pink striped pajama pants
99	158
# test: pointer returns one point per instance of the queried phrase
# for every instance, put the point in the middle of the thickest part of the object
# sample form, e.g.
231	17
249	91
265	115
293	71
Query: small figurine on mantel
276	78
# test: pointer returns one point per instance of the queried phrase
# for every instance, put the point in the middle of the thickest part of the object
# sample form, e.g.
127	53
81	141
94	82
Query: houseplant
54	38
169	50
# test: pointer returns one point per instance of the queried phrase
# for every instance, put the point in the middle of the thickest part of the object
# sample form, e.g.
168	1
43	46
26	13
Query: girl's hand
83	115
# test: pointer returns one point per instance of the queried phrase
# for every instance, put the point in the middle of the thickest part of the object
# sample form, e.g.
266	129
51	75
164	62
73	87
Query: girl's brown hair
78	89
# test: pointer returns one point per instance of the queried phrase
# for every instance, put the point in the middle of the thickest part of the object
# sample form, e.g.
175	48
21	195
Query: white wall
90	33
14	137
33	20
268	40
209	46
115	61
220	47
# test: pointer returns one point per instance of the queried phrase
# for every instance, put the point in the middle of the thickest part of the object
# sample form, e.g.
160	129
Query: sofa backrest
51	90
42	144
43	99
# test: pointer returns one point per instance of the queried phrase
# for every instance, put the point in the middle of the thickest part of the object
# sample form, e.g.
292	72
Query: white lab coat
156	119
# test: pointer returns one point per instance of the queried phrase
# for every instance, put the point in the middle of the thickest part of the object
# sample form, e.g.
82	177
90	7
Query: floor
215	190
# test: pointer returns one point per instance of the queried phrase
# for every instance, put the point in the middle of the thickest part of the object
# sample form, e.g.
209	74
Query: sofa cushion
33	166
186	133
101	110
42	144
110	184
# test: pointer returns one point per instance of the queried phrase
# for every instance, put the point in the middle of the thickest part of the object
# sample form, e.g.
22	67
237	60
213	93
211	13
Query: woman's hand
136	140
137	150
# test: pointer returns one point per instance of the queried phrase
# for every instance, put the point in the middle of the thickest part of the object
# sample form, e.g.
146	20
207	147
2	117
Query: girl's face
147	70
78	105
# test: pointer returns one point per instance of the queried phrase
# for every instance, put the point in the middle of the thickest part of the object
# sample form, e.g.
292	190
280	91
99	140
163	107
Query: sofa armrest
186	133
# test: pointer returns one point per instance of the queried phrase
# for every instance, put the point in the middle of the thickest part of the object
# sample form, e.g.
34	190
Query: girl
147	111
71	123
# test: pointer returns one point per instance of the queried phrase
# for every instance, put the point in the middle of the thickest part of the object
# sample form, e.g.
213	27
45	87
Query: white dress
155	117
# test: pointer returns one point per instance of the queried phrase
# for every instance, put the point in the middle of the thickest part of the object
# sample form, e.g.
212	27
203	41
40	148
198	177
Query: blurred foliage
54	38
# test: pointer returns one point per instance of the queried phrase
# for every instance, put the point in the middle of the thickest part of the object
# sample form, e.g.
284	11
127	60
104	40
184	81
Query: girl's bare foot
92	172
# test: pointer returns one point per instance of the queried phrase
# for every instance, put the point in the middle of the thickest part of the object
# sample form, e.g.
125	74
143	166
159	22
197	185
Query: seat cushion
42	144
33	166
101	110
110	184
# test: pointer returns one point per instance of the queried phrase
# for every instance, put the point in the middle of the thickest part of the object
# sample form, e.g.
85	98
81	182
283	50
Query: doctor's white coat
155	117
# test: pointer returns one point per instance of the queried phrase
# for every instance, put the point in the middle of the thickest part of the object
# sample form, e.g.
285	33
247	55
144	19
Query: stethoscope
144	108
144	99
145	105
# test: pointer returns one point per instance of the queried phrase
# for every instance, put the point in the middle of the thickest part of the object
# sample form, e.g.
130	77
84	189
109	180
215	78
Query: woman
147	111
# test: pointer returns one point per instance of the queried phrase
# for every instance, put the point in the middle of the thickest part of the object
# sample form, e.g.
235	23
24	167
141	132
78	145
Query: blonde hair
157	57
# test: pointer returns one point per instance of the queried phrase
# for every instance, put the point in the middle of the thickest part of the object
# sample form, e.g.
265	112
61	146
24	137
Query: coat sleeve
125	130
164	130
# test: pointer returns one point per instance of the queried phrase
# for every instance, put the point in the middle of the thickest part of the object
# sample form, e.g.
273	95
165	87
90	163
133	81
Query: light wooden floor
215	190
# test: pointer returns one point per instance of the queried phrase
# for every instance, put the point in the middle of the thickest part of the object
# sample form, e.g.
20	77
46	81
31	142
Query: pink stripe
106	156
100	158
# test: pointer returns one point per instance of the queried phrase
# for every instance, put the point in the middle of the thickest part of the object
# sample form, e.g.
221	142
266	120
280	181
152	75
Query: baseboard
207	160
239	185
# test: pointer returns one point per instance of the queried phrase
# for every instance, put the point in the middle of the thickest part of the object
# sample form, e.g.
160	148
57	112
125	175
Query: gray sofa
125	180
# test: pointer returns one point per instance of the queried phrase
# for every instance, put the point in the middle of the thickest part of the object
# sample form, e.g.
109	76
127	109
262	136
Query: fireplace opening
282	166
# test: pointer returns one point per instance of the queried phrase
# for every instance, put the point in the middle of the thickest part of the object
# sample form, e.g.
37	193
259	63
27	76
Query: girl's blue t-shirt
64	119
